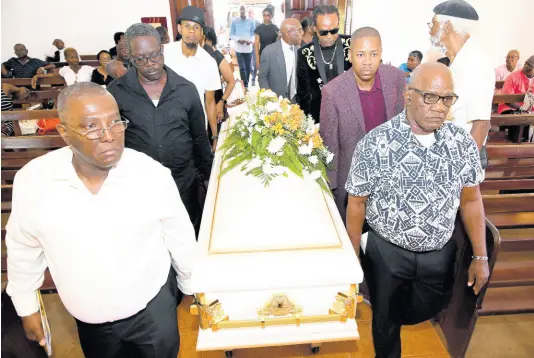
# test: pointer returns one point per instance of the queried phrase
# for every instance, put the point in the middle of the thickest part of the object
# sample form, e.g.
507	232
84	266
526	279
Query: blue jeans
243	59
253	65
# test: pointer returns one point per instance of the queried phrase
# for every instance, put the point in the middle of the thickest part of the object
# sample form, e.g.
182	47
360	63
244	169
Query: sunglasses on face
326	32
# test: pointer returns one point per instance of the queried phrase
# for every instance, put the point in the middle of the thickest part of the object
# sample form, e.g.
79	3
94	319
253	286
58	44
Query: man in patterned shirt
408	177
23	66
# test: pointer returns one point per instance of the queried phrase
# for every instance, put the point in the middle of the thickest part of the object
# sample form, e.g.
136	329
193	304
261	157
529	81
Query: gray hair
140	30
74	92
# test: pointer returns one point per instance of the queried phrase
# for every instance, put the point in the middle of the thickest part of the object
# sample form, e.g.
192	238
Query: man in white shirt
112	248
278	61
192	62
57	52
474	78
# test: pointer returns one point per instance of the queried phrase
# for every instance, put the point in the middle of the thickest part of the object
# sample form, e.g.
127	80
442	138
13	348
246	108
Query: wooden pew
16	116
512	119
51	81
508	196
85	58
508	98
38	97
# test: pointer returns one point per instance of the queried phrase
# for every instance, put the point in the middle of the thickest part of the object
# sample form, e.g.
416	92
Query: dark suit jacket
311	75
342	123
273	69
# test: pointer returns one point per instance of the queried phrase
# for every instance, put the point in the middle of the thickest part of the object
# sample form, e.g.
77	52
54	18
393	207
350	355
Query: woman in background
308	31
73	73
100	76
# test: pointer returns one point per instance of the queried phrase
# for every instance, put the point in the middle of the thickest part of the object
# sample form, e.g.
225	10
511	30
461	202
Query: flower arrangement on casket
274	137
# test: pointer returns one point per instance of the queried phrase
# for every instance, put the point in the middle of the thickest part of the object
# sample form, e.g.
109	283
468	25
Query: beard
191	45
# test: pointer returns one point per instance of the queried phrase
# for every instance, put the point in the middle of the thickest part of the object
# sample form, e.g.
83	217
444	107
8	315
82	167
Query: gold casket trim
212	315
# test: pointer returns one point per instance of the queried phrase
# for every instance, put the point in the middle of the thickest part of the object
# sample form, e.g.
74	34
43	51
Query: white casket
276	265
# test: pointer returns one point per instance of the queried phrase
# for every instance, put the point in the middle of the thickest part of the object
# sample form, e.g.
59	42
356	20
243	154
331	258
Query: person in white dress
73	73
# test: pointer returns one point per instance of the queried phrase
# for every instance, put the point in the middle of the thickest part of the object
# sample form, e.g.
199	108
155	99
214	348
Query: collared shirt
474	83
516	83
201	69
289	58
373	105
24	70
414	191
173	132
502	72
242	30
84	74
110	253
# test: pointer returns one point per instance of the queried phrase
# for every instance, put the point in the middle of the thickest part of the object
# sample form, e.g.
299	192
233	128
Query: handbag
47	125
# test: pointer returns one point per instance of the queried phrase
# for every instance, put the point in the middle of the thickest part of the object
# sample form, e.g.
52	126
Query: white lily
276	145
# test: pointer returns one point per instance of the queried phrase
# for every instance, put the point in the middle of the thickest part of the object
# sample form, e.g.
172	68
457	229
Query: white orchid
276	145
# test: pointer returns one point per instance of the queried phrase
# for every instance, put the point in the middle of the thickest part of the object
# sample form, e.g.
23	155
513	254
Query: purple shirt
373	105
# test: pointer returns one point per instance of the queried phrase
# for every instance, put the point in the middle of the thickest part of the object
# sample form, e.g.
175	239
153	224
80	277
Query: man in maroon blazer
357	101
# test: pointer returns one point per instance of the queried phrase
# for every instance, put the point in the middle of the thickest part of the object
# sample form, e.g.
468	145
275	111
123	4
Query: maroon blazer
342	124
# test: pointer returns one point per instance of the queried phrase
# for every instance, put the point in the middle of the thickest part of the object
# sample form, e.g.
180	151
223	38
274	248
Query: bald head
512	59
364	32
75	93
291	31
115	69
426	74
429	97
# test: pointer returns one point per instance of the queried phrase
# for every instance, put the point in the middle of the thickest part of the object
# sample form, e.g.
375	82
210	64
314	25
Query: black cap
456	8
191	13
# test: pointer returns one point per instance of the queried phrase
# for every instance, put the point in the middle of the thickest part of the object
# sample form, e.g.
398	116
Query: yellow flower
278	128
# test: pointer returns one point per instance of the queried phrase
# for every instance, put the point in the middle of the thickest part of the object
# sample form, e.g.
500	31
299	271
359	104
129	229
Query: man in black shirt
23	66
166	116
265	34
118	37
323	59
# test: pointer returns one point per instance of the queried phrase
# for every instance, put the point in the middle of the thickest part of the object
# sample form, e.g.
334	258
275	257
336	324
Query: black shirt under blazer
311	74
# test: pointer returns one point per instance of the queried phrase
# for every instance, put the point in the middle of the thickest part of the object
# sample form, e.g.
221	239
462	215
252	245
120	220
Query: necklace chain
333	56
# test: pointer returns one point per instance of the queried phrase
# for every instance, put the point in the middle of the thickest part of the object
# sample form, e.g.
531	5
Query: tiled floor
494	337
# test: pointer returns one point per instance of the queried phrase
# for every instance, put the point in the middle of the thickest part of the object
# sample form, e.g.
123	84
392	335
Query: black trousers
151	333
405	287
190	198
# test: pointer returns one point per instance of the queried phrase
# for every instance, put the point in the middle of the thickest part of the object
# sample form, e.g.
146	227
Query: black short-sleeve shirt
268	35
24	70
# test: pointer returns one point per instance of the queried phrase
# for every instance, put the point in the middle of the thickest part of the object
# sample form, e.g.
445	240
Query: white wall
503	25
86	26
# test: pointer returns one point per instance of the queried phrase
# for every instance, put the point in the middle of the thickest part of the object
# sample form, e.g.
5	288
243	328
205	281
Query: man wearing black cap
192	62
451	32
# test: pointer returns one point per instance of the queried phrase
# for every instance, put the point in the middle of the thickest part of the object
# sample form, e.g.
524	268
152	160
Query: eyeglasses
326	32
116	127
143	61
432	98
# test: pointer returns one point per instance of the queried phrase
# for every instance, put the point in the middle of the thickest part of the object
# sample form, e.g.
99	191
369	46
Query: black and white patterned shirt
24	70
414	191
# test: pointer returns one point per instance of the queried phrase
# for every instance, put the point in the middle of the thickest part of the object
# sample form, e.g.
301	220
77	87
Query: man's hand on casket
478	274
